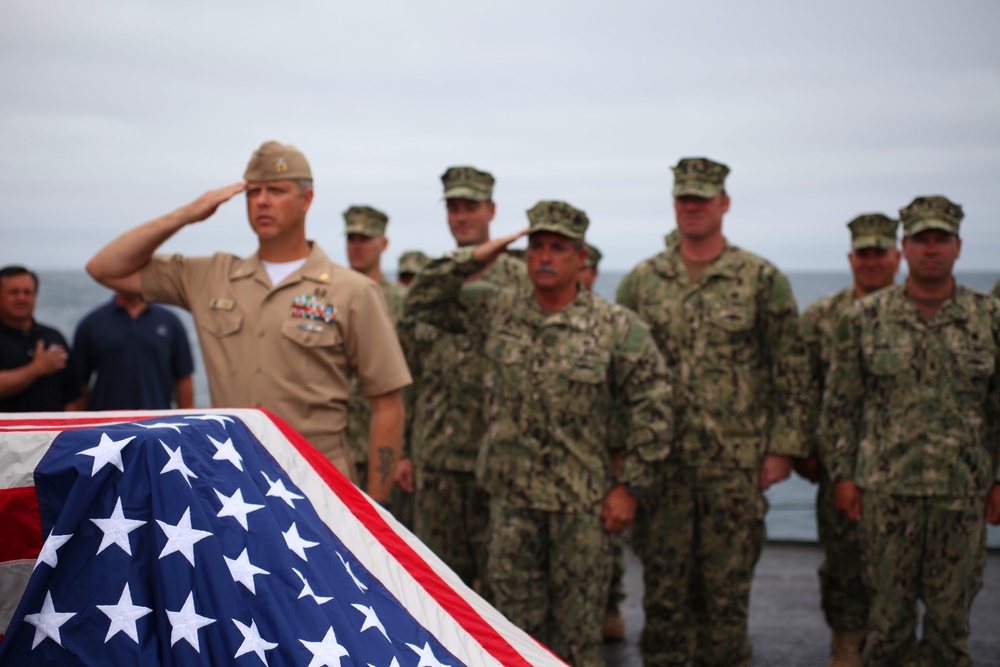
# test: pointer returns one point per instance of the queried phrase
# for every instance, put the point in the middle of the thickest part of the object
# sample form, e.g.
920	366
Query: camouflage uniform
912	417
451	513
551	385
996	290
731	339
842	589
410	262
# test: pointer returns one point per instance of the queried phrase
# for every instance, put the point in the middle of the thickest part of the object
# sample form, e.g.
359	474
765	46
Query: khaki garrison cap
699	177
365	220
558	217
593	257
277	162
934	212
873	230
468	183
412	261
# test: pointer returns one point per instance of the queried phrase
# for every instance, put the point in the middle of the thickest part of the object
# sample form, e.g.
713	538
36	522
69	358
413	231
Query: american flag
220	538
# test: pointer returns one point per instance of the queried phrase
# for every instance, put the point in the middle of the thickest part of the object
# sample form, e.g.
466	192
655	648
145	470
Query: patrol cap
558	217
593	257
412	261
277	162
365	220
932	212
873	230
699	177
467	183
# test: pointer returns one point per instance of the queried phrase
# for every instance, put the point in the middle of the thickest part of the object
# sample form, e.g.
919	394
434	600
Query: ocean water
66	296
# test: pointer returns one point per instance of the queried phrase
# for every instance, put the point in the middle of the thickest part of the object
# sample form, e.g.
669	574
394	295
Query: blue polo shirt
137	361
50	393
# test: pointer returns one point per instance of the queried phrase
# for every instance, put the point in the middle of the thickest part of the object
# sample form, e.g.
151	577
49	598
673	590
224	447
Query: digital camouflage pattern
731	340
593	257
365	220
935	212
551	571
873	230
932	549
467	183
551	385
445	427
558	217
842	590
996	290
911	407
412	261
359	414
699	177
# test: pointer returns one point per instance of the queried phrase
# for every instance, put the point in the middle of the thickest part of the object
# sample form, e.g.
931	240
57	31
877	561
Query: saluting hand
204	206
490	250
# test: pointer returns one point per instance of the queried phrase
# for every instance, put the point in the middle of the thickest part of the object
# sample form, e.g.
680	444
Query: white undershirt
278	271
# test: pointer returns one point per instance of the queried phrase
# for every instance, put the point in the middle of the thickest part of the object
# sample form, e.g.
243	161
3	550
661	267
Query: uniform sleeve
812	402
405	331
437	295
163	279
644	393
842	403
788	367
372	347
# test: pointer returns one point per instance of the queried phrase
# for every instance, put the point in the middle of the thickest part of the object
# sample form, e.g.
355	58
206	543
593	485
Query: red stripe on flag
20	524
445	595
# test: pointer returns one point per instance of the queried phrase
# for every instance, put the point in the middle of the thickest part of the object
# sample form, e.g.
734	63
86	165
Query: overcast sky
116	112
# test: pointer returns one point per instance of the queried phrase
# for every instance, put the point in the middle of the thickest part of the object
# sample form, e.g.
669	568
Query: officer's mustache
546	269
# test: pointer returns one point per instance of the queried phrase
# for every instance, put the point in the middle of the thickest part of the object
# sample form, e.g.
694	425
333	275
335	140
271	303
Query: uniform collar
955	309
316	269
670	264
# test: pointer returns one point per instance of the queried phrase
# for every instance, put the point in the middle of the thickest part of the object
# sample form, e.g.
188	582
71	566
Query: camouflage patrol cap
873	230
277	162
593	257
558	217
412	261
365	220
467	183
933	212
699	177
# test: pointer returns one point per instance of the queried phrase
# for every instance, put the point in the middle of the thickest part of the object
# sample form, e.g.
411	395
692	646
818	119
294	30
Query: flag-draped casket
216	538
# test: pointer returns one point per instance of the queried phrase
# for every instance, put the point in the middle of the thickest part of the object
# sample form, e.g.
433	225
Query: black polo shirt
50	393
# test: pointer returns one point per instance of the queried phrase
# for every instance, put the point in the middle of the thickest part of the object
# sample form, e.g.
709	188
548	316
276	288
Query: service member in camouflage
410	263
588	273
366	241
911	420
560	361
451	511
726	323
874	261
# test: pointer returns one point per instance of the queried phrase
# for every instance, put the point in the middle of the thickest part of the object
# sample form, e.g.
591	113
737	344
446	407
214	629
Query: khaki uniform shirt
291	349
359	413
731	339
552	384
447	425
912	407
819	326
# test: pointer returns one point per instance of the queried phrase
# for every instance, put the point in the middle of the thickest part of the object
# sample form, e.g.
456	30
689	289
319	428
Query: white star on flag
371	619
252	641
427	658
297	544
123	616
226	451
48	553
176	462
326	652
243	571
307	590
172	425
185	623
277	489
107	451
47	622
116	529
347	566
235	507
221	419
394	663
182	537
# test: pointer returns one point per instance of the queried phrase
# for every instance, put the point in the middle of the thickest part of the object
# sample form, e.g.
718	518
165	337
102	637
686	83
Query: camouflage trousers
699	534
616	591
926	548
451	515
841	584
549	573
